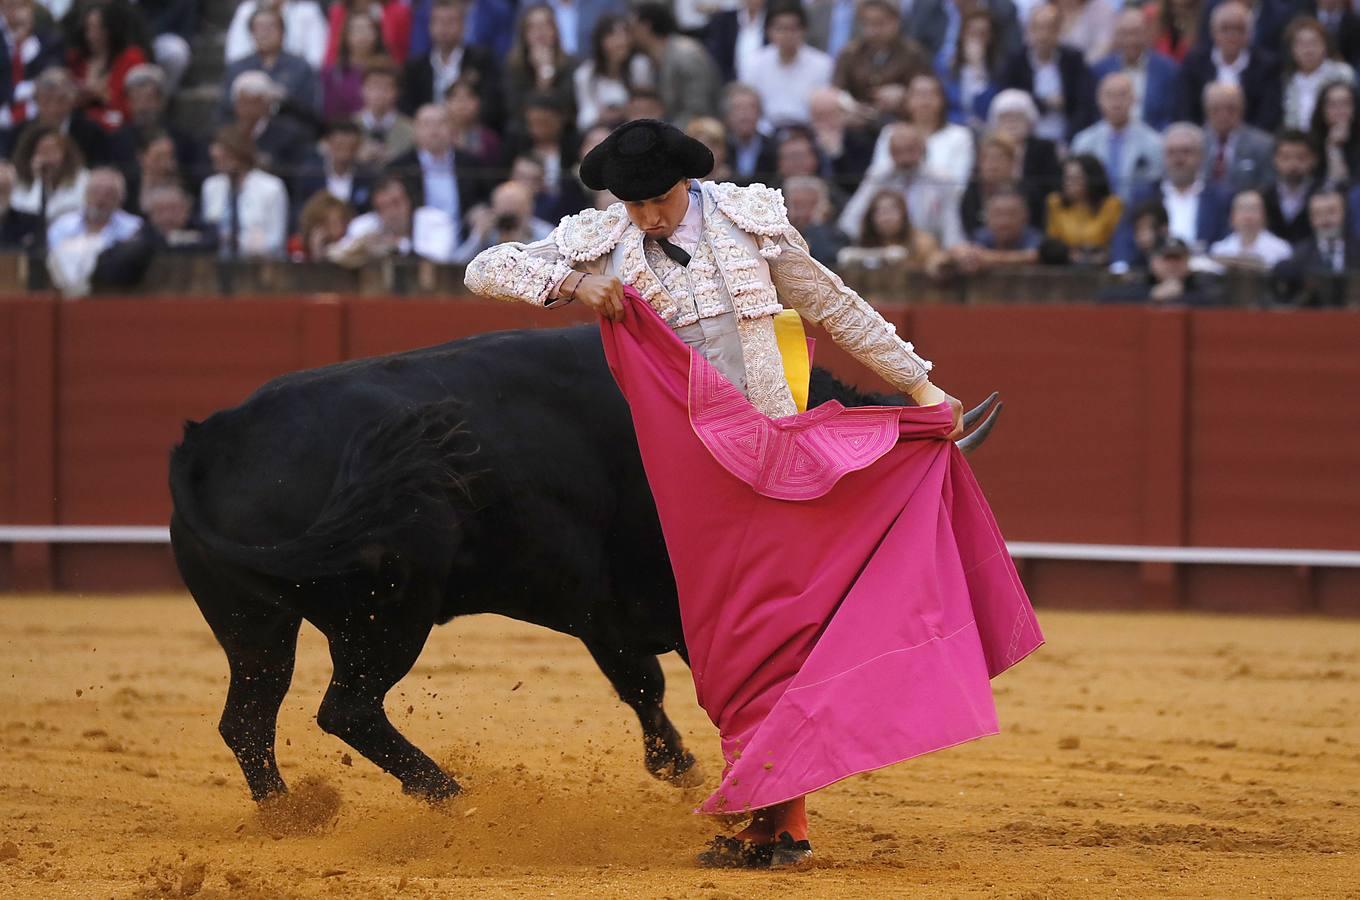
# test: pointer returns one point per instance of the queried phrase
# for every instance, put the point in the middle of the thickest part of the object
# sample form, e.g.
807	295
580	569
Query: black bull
376	498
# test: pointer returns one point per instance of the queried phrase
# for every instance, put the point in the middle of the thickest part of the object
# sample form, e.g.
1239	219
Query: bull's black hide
376	498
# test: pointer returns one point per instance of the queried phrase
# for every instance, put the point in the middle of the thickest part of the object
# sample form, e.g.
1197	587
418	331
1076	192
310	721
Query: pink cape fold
845	592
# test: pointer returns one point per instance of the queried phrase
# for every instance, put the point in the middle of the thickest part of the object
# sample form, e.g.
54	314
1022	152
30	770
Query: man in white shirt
435	165
1250	246
932	202
76	238
394	228
1194	213
787	71
305	28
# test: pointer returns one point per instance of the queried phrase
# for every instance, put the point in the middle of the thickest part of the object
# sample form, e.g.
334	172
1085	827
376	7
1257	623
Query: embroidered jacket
750	259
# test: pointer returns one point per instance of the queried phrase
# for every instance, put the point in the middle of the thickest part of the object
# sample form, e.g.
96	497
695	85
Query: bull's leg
638	680
371	655
260	640
261	655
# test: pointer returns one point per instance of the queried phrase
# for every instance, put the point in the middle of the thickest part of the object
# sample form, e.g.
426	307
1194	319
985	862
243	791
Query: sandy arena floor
1141	756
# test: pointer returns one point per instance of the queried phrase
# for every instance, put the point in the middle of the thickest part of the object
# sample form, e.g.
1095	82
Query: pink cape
845	592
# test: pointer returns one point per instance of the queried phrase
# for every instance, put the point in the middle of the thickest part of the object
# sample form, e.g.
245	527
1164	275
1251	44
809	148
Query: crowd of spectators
1167	142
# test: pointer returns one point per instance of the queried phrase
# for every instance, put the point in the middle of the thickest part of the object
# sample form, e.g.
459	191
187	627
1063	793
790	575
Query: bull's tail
391	505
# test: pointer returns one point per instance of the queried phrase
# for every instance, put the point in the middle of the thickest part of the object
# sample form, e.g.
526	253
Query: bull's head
971	440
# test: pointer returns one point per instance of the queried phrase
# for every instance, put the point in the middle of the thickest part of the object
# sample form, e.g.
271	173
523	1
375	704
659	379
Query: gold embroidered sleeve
515	271
822	298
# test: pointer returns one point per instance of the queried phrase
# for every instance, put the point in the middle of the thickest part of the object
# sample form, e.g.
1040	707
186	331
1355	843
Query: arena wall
1123	425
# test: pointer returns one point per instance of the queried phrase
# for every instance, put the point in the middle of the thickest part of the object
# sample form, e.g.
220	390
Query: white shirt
433	235
691	228
1138	75
339	186
446	72
121	226
1292	200
1230	72
304	31
1182	210
784	89
67	198
1267	248
750	38
261	209
1047	86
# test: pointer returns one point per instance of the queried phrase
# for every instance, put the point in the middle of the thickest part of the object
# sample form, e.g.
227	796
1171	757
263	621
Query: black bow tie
677	254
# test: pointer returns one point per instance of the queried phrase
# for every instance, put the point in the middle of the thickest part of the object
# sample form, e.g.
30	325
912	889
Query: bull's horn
971	441
976	412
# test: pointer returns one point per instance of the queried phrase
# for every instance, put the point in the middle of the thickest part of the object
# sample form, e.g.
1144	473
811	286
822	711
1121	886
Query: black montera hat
643	159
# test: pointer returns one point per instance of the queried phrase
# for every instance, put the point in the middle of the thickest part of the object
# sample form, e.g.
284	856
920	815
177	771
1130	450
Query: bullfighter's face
660	216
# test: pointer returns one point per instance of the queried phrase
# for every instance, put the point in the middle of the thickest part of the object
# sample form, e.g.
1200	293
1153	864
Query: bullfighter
844	591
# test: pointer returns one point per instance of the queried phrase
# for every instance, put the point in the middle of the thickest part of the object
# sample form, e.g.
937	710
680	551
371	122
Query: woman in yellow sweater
1084	215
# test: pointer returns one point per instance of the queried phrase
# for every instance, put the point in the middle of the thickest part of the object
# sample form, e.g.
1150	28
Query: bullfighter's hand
929	395
603	294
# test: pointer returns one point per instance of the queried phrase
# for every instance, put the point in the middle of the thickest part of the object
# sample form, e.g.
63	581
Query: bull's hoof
433	791
681	770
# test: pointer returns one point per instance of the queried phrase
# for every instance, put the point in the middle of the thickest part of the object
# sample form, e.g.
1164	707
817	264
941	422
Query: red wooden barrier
1122	425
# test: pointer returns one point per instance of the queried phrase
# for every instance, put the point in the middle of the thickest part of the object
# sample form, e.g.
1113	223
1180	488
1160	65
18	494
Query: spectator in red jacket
102	54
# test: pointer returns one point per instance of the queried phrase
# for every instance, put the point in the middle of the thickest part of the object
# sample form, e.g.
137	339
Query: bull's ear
190	425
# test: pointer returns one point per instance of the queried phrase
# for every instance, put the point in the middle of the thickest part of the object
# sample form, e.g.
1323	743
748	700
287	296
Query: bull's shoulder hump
754	208
590	233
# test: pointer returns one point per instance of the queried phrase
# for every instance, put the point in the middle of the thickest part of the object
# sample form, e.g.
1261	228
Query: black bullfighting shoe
789	852
725	852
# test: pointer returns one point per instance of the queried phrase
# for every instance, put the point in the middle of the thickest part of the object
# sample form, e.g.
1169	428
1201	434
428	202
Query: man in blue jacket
1153	74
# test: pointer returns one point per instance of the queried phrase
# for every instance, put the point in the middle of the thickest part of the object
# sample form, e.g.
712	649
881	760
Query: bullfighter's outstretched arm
819	295
533	272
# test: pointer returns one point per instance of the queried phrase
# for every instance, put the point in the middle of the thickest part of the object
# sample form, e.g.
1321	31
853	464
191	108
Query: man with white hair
1130	151
1155	76
292	73
281	144
1231	57
1237	156
1197	213
77	239
305	28
1014	115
